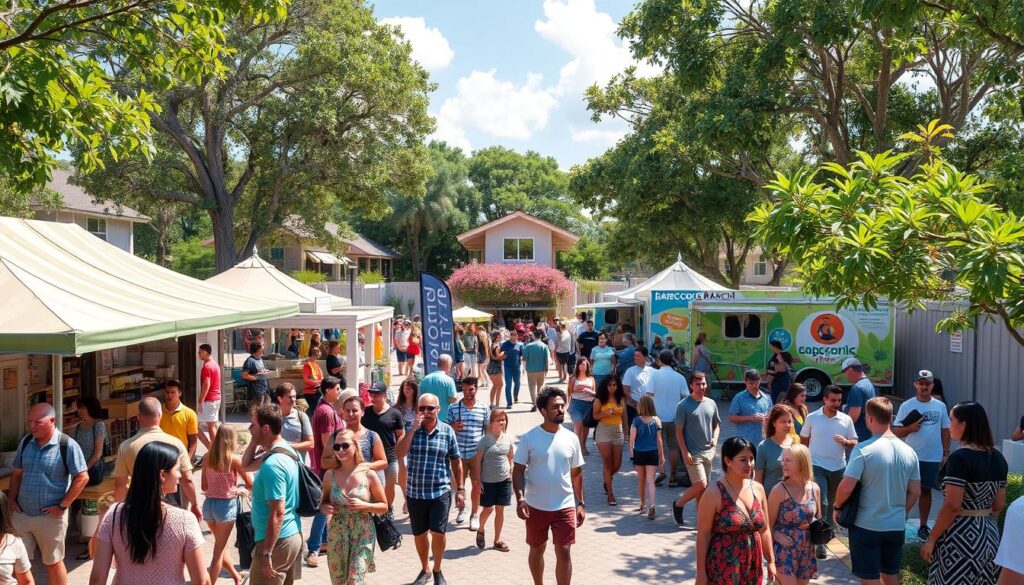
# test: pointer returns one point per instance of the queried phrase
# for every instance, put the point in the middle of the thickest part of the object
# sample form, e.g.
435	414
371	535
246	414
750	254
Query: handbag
245	536
311	489
388	537
588	419
821	532
848	513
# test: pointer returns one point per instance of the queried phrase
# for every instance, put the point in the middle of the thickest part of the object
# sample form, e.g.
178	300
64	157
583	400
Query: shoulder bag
588	419
820	531
310	487
388	537
848	513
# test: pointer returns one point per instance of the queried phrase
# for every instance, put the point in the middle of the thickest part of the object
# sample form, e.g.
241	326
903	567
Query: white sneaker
474	522
461	517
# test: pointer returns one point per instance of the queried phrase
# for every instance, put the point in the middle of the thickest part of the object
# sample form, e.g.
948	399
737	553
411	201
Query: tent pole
58	390
352	355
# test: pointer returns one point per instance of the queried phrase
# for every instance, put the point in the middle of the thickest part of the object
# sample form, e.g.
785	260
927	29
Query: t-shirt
513	353
180	423
862	391
276	479
537	354
635	379
667	387
180	534
130	448
745	404
211	372
615	420
255	366
927	442
474	421
325	420
564	342
884	466
13	558
469	341
441	385
494	465
625	359
602	360
769	460
86	437
549	459
333	363
699	421
646	434
385	425
1013	538
825	452
295	427
587	341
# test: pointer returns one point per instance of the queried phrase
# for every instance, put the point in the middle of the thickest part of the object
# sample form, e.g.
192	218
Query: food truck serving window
742	326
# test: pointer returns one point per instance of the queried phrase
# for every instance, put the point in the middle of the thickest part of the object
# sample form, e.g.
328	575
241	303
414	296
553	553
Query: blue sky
513	72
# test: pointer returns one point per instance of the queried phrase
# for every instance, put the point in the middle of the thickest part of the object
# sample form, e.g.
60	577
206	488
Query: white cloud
589	37
499	108
429	46
597	137
450	131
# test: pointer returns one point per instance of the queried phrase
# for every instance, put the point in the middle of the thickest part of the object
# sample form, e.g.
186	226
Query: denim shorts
220	510
579	409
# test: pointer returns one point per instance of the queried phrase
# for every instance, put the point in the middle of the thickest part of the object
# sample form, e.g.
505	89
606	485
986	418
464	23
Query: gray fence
378	294
985	364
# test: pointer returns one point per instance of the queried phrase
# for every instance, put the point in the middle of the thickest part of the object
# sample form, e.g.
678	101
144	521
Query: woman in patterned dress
792	505
351	493
963	543
732	530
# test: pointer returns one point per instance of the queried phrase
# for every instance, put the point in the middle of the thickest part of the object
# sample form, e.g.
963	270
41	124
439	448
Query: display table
1013	452
91	492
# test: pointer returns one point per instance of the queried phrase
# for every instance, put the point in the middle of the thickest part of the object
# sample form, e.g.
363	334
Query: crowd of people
787	476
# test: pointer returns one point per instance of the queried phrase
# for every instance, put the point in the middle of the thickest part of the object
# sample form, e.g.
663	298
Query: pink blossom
507	284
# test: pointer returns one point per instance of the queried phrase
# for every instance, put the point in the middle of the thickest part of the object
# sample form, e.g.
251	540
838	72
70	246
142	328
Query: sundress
734	554
795	559
965	553
351	538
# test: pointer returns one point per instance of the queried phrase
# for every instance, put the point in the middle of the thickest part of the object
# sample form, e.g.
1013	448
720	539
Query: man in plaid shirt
469	418
431	445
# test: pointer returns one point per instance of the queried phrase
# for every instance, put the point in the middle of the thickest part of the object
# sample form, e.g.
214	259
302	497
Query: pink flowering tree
508	284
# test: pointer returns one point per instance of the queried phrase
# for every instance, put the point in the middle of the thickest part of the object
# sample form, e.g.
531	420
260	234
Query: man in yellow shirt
179	420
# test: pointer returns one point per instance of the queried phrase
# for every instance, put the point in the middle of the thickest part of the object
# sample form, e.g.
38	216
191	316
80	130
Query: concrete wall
519	228
988	369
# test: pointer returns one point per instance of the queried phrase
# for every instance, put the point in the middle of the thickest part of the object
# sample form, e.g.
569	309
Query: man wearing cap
389	425
667	387
861	391
468	418
926	431
749	409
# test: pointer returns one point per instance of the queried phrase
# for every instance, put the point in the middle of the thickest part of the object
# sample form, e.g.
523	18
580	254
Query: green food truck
740	324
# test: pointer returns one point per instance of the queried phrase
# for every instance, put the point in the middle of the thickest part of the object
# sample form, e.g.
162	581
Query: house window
761	267
742	326
518	249
97	227
611	316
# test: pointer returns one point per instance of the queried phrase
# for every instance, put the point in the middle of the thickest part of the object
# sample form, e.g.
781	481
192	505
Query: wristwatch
62	507
581	504
267	554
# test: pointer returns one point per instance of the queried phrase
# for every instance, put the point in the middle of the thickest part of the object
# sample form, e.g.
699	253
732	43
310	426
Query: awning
726	308
324	257
470	315
67	292
341	319
606	305
256	274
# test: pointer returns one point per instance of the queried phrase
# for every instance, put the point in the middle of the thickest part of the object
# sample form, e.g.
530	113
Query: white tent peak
678	276
256	274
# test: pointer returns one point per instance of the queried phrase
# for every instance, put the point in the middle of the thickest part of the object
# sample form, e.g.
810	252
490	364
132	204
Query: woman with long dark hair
494	368
963	543
796	398
15	566
581	399
610	413
91	435
150	540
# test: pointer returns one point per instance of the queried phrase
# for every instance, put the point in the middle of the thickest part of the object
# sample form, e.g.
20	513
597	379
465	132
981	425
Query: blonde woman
221	472
352	493
648	451
792	505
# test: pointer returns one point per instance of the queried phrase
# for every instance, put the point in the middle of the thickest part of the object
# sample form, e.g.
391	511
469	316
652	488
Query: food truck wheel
815	382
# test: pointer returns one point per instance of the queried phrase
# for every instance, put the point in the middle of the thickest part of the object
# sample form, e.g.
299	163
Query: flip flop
480	539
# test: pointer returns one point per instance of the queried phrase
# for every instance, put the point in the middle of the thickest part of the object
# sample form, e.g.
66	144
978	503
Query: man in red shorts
549	469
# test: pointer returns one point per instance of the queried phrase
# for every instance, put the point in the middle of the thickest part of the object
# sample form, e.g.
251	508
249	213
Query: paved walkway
614	545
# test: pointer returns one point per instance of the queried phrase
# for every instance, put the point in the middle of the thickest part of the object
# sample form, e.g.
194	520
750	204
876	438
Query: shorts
610	434
400	355
493	368
700	471
875	553
562	358
467	470
391	471
45	531
645	458
578	409
429	515
209	411
929	474
496	494
285	558
220	510
562	524
668	439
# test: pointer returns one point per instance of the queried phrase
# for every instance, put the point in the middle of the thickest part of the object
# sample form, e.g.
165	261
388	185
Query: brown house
296	248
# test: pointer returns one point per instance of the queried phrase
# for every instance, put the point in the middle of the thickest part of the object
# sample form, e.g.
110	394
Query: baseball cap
666	357
345	396
925	375
751	374
378	387
849	363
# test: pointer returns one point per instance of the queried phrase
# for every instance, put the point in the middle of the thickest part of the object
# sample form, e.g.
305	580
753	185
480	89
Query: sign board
956	342
321	304
438	324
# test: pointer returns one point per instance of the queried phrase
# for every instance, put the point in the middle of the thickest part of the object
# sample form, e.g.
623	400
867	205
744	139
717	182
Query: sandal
83	556
501	546
480	539
611	500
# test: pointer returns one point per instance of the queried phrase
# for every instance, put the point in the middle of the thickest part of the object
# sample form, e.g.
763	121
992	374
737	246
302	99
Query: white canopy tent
679	276
257	275
470	315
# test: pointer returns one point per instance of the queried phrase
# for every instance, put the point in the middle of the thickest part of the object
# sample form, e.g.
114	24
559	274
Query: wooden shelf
72	372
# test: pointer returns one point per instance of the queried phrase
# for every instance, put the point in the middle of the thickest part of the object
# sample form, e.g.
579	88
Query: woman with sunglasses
351	494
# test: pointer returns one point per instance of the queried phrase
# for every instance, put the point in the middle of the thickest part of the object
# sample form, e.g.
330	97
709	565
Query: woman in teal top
602	358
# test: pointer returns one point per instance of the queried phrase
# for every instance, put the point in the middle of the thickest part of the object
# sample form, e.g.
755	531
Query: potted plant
8	449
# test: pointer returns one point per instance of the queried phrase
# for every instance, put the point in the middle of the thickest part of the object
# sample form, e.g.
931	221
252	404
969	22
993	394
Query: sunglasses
342	446
427	408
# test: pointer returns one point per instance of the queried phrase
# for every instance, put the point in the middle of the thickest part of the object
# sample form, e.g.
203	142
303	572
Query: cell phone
912	417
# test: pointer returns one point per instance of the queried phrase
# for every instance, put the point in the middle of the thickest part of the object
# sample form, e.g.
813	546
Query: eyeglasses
427	408
342	446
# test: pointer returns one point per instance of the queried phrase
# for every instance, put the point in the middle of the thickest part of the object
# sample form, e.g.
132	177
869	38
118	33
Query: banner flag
438	325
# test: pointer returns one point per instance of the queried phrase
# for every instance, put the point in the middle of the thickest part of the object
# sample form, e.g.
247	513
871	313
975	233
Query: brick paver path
614	545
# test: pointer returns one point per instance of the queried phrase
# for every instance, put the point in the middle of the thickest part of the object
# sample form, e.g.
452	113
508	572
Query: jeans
828	483
511	377
318	533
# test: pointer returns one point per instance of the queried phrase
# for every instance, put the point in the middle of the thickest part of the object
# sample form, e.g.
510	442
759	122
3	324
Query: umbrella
470	315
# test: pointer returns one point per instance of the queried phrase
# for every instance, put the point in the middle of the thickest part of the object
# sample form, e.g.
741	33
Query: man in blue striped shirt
469	419
431	445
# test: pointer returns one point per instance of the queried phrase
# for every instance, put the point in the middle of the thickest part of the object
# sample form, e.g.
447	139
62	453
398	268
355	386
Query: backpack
311	489
62	444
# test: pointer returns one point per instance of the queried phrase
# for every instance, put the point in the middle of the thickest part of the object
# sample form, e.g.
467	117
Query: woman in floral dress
792	505
732	528
351	493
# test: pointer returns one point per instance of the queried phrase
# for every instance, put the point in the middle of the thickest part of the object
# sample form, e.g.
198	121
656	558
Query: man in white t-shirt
1009	557
827	433
928	435
548	483
633	382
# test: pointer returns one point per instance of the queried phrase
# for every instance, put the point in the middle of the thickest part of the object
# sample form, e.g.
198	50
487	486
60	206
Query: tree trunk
224	238
778	269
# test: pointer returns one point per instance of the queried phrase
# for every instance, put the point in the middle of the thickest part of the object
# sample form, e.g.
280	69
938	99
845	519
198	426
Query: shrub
507	284
590	287
309	276
394	302
191	257
1014	490
371	277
